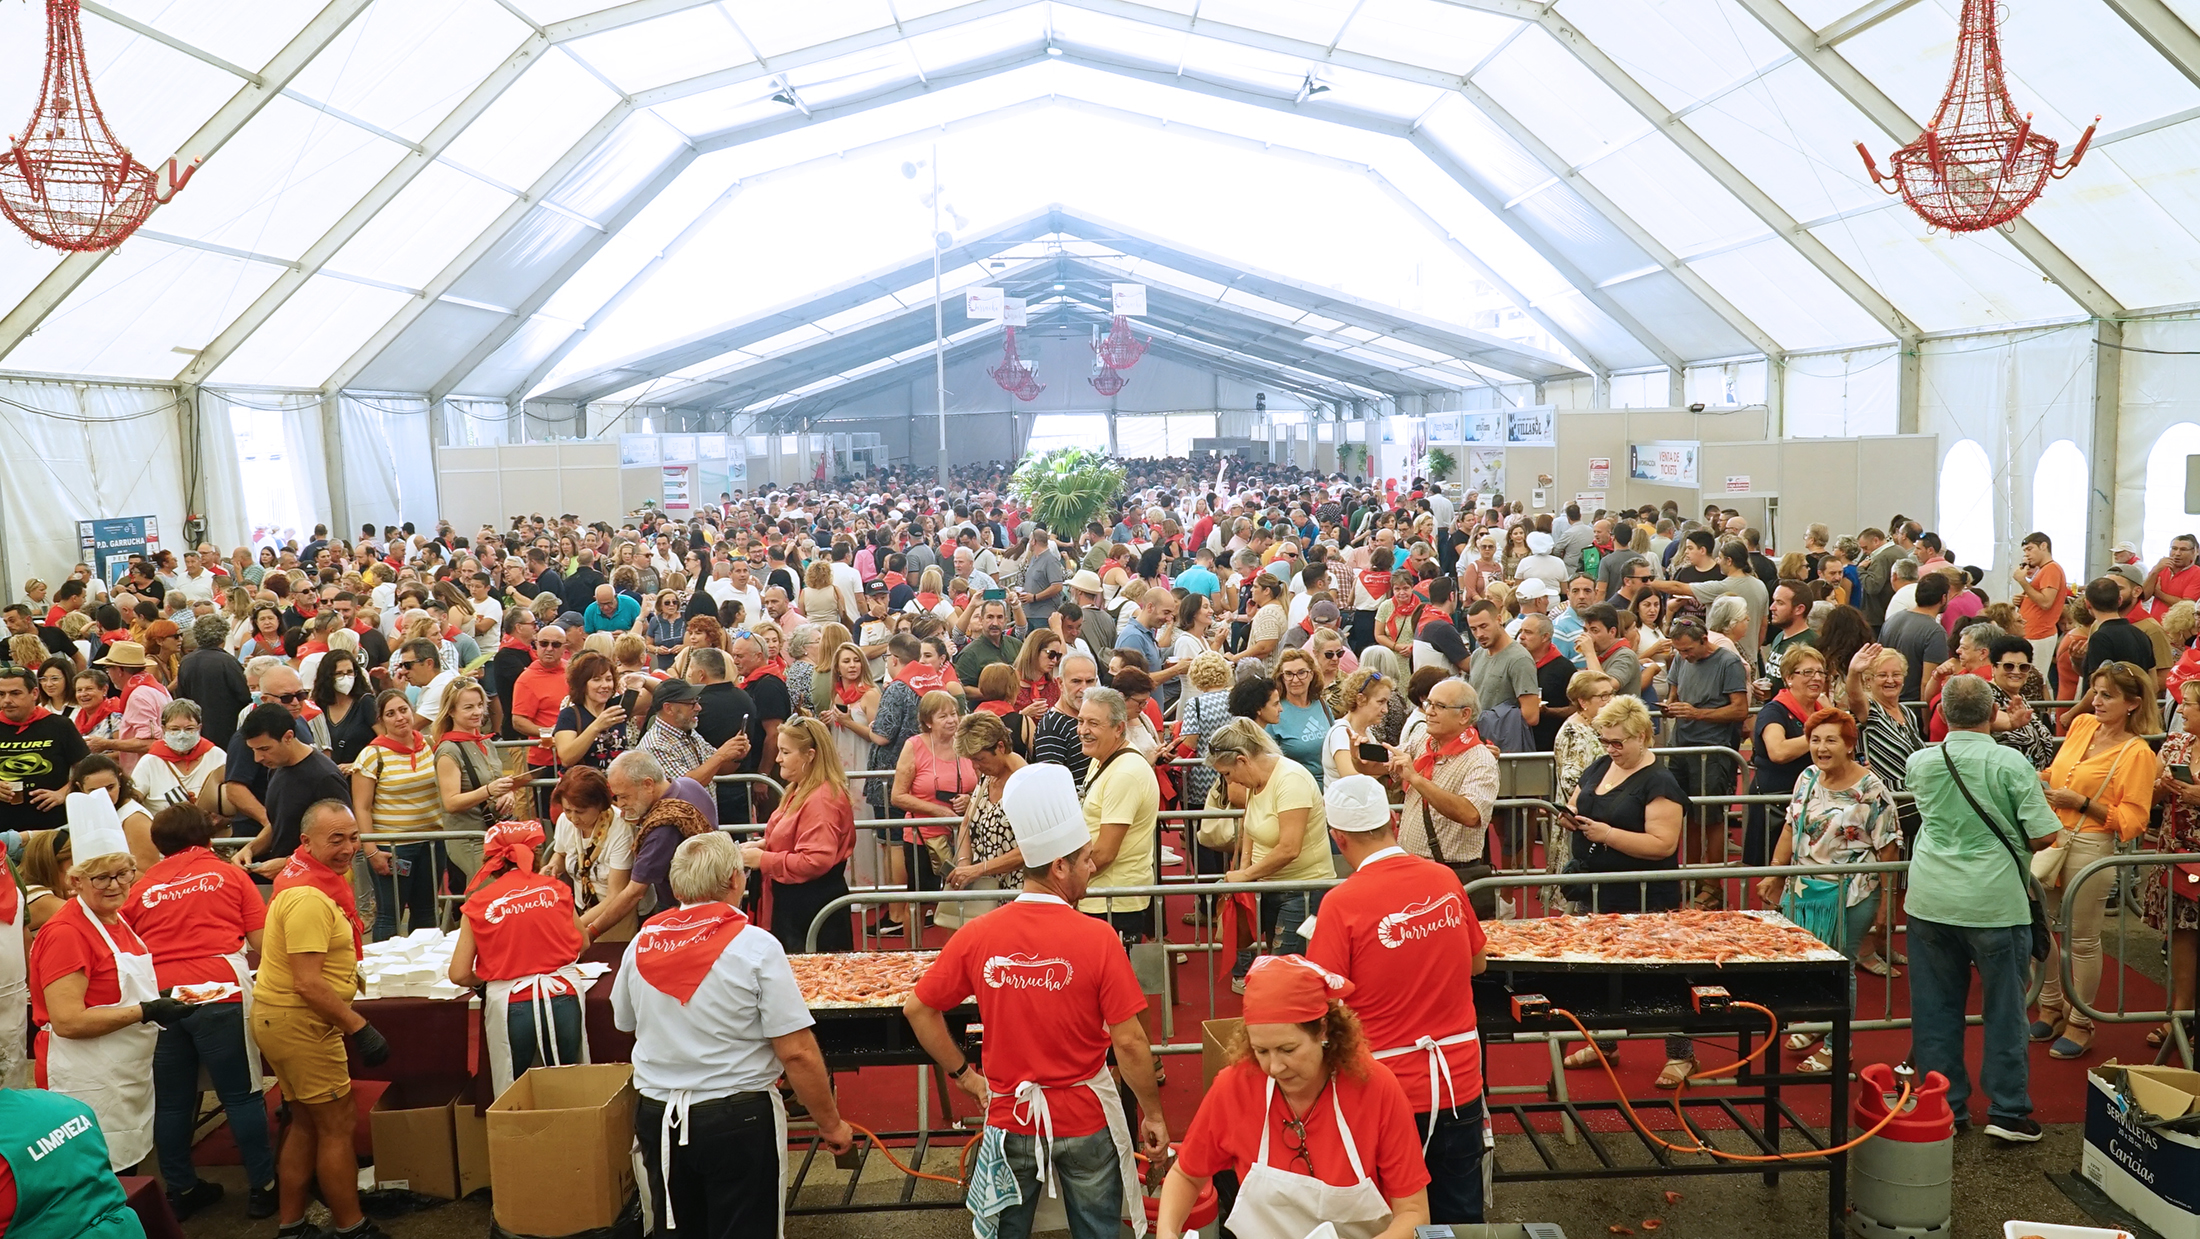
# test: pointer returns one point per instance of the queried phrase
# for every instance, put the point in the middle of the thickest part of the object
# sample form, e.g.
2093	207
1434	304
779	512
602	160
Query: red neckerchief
39	712
1390	626
455	736
161	750
893	579
1377	584
515	643
273	644
771	666
675	950
1426	762
411	755
143	679
926	602
87	717
922	679
114	635
304	870
1428	617
1549	652
849	694
1794	705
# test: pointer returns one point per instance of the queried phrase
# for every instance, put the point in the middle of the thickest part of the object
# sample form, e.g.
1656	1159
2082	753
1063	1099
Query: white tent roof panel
2128	214
1680	50
321	325
1442	36
1943	281
1785	295
147	301
437	341
508	367
243	32
424	228
532	122
1793	134
509	273
403	64
775	27
668	49
1561	100
635	152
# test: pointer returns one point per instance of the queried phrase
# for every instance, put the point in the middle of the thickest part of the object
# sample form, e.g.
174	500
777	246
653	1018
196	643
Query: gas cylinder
1901	1180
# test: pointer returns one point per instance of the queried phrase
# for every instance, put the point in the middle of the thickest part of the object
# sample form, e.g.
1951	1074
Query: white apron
1274	1203
113	1074
1031	1107
496	1008
1439	1069
15	994
676	1115
251	1048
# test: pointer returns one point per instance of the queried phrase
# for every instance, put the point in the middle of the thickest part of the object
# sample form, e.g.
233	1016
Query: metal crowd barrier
2180	1037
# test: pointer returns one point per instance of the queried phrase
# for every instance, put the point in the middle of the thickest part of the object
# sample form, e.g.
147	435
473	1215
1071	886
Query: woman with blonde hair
803	856
1361	701
2101	786
1283	837
820	601
1204	711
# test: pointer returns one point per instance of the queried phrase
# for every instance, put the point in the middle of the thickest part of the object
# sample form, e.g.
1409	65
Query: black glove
164	1011
373	1049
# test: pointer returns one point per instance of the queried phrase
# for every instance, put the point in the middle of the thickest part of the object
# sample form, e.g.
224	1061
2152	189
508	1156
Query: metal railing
2086	882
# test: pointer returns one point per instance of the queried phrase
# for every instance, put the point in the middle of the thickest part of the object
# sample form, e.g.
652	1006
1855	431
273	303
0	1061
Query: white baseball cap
1357	803
1041	803
1534	587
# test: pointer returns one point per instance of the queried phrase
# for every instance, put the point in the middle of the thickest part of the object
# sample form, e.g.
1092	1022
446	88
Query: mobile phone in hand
1370	751
628	700
2181	772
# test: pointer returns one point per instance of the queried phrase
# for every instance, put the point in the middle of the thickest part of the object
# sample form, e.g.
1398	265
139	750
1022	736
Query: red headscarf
1290	989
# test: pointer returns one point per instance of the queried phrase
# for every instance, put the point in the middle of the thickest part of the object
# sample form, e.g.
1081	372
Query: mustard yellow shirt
2121	780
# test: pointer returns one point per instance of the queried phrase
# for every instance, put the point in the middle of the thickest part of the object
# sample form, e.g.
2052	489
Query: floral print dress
1846	826
2179	832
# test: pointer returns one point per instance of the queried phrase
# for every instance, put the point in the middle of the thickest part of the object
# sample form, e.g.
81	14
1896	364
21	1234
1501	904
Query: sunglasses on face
2015	666
288	699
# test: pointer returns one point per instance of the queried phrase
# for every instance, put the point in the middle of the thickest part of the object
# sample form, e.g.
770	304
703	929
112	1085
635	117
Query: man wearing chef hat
1400	929
93	991
1055	992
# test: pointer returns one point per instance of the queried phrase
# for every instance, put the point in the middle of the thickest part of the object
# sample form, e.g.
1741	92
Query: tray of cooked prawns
1690	940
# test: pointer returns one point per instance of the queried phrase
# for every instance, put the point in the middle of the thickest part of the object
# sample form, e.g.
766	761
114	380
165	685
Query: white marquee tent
428	223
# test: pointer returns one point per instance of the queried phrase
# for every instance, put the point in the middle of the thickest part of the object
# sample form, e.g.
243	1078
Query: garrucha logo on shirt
527	900
1419	920
1027	972
183	888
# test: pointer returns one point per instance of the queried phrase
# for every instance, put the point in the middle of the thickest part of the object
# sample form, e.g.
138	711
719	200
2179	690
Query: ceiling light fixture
1053	50
1309	88
786	98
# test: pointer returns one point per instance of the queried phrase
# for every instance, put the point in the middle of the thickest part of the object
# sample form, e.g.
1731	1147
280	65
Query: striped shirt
407	795
1888	737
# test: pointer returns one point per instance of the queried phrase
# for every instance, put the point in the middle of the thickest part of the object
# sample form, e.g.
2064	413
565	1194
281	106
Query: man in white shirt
733	584
195	583
847	582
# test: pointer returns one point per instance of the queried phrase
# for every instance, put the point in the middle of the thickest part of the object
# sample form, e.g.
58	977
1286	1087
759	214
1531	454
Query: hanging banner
679	449
983	303
1443	429
1486	428
640	450
1128	300
1012	312
1600	471
108	543
1486	470
1533	426
678	489
1663	464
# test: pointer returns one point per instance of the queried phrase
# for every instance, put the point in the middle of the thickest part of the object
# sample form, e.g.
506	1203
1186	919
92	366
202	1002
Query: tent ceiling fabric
511	198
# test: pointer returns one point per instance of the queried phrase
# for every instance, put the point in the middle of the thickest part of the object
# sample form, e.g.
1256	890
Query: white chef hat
95	829
1041	803
1540	543
1357	803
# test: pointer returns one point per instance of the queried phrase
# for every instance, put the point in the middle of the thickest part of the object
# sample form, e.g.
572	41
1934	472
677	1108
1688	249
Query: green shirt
982	653
1960	873
1777	648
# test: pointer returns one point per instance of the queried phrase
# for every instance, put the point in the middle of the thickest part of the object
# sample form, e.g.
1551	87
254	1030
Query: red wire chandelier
69	183
1108	382
1017	377
1977	165
1119	349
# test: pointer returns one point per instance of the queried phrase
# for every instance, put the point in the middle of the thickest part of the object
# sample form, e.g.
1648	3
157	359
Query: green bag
1818	907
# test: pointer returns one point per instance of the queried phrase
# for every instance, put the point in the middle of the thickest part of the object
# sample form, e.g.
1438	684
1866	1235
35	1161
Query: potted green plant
1068	487
1442	464
1351	458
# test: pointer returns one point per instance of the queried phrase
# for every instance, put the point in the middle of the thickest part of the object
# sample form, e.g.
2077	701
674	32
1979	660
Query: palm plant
1068	487
1442	464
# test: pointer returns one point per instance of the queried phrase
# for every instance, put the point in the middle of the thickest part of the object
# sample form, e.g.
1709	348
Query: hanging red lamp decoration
69	183
1977	165
1108	382
1017	377
1119	349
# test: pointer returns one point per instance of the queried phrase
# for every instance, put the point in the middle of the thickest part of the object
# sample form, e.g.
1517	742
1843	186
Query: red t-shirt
1401	930
1225	1134
191	909
1050	982
523	926
70	943
537	694
2185	584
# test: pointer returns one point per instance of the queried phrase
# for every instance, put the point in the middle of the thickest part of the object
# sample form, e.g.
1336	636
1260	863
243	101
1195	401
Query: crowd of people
578	707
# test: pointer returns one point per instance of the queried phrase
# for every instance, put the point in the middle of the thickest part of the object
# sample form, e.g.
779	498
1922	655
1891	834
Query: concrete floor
1994	1183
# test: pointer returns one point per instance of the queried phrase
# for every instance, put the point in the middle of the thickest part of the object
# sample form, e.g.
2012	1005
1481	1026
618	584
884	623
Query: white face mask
344	683
181	741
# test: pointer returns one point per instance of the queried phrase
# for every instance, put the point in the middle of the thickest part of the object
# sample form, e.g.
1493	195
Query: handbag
2042	943
1484	901
468	782
2047	863
1817	907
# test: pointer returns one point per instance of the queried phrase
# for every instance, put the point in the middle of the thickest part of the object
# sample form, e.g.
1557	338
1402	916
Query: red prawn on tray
1689	936
863	979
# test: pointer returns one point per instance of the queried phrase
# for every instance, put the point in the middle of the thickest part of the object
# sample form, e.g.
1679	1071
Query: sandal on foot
1585	1057
1819	1063
1799	1042
1878	966
1676	1073
2074	1042
2160	1034
2049	1023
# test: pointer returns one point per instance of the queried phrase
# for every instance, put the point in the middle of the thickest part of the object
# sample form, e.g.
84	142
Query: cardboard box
415	1149
470	1136
2153	1174
566	1133
1215	1037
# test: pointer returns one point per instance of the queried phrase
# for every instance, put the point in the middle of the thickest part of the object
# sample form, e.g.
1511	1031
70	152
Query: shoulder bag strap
2024	871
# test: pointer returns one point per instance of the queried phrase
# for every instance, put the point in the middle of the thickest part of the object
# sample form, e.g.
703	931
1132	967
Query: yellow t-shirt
304	919
1291	787
1125	792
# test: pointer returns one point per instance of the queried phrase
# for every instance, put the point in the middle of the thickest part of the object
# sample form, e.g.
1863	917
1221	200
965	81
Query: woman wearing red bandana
519	941
1781	752
1315	1128
717	1018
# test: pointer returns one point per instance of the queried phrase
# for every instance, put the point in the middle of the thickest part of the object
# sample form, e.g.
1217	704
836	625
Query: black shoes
2014	1131
194	1198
